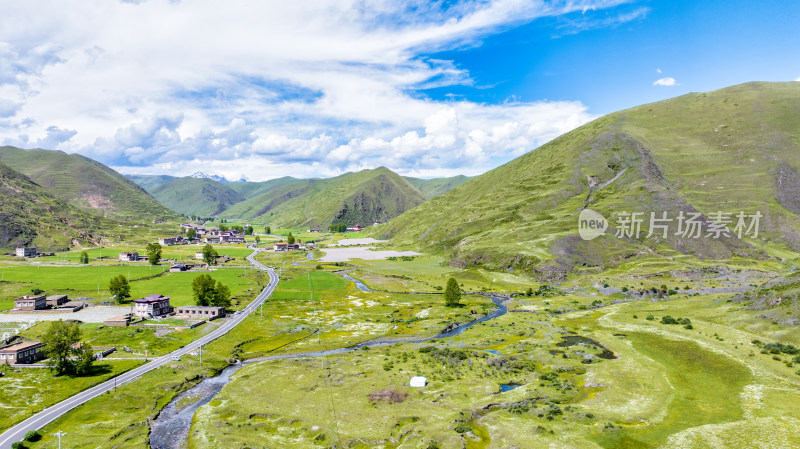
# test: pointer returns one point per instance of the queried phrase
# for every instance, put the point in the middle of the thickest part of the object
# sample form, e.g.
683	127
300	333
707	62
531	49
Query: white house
418	381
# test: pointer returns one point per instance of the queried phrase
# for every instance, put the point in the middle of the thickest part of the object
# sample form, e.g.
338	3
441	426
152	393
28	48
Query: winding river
170	430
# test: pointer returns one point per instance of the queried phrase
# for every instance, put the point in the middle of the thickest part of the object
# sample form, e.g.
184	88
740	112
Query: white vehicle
176	358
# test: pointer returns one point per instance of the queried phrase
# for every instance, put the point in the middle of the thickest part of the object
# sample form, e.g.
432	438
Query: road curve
48	415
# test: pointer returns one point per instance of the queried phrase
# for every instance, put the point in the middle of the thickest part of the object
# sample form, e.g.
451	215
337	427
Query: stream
171	429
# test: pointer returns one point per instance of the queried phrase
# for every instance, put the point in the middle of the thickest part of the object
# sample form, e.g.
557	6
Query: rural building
171	241
118	321
25	352
30	302
26	252
231	239
356	228
198	255
178	267
207	312
152	306
213	240
56	300
279	246
418	381
129	256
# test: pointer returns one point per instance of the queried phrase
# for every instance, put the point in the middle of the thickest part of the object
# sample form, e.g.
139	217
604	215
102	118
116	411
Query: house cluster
203	235
158	306
31	251
177	240
132	256
40	302
283	246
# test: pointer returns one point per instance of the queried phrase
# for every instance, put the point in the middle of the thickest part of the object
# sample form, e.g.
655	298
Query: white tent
418	381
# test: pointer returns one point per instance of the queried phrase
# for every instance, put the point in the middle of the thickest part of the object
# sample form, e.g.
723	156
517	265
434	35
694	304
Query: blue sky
269	89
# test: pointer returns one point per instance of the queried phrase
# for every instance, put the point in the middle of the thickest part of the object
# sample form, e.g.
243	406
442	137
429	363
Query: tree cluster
154	252
210	293
66	353
338	227
120	288
210	254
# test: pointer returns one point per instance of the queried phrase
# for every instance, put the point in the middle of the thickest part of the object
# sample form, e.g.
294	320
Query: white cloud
255	88
798	78
658	71
666	81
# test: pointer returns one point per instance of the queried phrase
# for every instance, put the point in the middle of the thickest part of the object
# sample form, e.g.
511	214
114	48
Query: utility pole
59	434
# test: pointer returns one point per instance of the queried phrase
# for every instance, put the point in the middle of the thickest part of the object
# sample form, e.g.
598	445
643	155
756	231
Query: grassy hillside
432	188
84	183
353	198
148	182
196	196
251	189
29	214
731	150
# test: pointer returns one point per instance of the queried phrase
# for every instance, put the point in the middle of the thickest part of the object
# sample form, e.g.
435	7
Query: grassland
665	385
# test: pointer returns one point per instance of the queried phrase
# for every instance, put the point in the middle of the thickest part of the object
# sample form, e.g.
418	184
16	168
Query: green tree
153	253
204	289
191	233
237	228
58	346
83	359
84	257
338	227
223	228
249	230
452	293
210	254
258	240
290	239
222	296
119	287
268	230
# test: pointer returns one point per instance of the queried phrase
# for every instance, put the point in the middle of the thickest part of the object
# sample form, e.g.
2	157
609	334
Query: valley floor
580	365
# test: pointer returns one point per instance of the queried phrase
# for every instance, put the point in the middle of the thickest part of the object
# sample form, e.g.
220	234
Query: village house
198	255
356	228
118	321
56	300
25	352
152	306
30	302
129	256
205	312
26	252
171	241
213	240
279	246
231	238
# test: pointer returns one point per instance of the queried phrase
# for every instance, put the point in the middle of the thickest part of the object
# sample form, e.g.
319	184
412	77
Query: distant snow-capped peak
217	178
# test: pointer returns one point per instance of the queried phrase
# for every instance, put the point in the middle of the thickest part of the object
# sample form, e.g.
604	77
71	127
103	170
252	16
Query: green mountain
432	188
30	214
196	196
84	183
251	189
148	182
731	150
353	198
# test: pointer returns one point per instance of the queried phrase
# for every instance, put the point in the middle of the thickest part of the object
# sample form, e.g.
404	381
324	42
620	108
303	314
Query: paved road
39	420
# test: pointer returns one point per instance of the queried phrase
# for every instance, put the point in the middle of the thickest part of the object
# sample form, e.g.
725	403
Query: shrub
650	318
462	428
33	436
